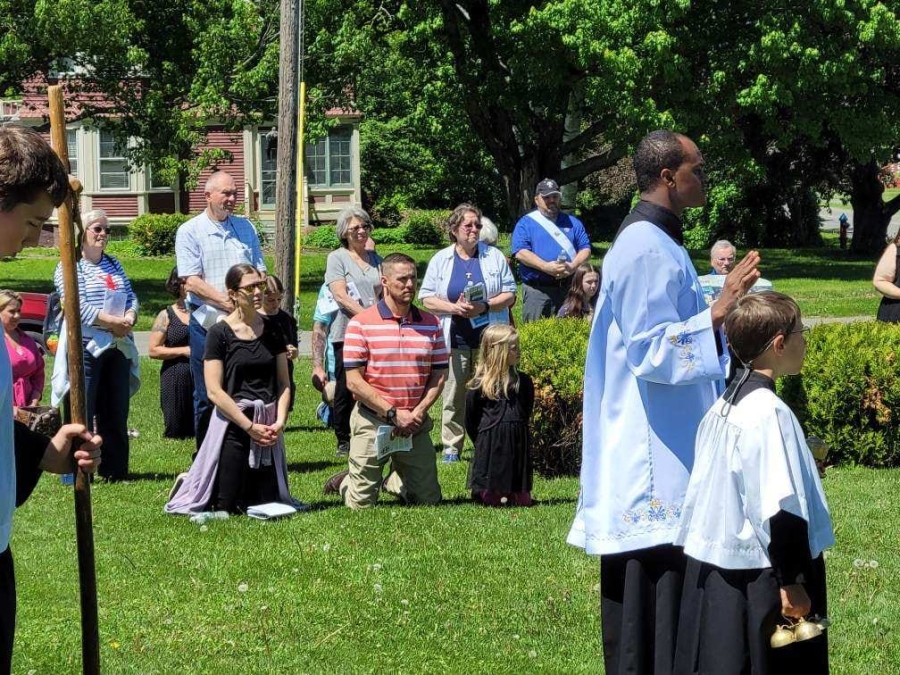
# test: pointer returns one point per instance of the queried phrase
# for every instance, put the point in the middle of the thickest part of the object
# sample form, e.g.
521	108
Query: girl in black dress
169	343
285	322
498	410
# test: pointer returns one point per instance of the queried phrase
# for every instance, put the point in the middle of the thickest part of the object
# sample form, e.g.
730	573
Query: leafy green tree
163	70
785	104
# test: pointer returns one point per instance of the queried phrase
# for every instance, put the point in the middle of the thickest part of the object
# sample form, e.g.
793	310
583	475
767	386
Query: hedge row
416	227
848	392
553	353
154	233
846	395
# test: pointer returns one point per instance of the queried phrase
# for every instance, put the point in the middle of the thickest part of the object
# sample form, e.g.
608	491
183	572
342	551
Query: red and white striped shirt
398	353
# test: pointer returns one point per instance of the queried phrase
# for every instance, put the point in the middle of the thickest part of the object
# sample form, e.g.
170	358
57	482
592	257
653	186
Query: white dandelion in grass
378	588
532	654
326	547
873	564
859	562
404	602
243	587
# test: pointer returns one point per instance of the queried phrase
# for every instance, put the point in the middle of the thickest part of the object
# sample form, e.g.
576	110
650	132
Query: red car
34	311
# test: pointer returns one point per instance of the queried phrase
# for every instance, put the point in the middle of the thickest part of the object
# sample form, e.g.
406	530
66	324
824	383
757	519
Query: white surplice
652	371
752	461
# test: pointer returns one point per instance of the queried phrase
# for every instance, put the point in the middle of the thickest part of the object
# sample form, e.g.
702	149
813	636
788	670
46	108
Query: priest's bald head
669	170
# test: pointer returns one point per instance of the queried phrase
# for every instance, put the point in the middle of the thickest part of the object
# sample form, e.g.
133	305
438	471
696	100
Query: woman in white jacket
468	285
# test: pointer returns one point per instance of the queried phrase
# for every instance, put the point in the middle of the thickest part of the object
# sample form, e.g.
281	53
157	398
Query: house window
328	161
316	162
339	156
114	173
155	182
72	149
268	172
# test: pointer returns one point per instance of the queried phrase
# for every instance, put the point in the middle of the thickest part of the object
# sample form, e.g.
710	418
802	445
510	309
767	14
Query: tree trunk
286	176
572	127
871	214
184	194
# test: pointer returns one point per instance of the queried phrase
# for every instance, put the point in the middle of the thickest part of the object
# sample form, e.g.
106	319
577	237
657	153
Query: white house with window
331	169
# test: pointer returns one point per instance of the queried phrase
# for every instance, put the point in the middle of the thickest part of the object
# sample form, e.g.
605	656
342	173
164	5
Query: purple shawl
195	492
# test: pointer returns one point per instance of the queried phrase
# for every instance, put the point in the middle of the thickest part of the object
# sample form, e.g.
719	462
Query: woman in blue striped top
108	314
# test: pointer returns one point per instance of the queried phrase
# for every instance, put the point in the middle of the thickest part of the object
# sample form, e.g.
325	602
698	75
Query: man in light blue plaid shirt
206	247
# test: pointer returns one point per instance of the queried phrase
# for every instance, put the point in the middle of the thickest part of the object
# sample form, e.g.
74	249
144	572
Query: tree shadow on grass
305	427
134	477
309	467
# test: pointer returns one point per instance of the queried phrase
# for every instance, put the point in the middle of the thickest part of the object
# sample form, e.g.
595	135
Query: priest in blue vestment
656	363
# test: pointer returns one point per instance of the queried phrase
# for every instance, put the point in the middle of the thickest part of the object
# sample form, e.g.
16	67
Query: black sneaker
343	449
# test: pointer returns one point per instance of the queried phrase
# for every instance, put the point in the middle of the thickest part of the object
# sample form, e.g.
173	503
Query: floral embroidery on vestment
686	341
656	511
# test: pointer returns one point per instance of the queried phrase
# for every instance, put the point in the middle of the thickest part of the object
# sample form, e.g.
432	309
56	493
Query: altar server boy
754	521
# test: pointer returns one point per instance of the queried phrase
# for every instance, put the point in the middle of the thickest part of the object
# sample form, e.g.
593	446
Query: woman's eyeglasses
99	229
260	286
469	226
354	230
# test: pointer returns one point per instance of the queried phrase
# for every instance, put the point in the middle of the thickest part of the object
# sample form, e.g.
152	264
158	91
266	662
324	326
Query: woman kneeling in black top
242	461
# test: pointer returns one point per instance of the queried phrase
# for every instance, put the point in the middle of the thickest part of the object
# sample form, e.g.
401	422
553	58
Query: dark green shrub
154	233
846	395
424	228
848	392
553	354
323	236
389	236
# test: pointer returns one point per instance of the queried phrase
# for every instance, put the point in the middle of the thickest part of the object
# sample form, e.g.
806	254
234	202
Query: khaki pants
453	418
414	473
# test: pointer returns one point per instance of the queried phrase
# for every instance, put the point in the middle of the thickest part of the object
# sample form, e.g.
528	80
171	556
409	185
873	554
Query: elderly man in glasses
206	247
722	256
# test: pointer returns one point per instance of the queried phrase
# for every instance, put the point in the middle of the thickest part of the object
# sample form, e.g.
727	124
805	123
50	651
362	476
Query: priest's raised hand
737	283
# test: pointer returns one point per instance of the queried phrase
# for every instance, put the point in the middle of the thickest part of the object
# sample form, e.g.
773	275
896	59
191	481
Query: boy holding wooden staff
32	182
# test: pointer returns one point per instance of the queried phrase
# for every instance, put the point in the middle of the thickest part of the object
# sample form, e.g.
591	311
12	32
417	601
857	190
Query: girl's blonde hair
495	374
7	297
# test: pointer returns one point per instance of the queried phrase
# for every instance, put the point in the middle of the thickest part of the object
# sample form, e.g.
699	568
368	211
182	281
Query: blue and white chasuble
653	370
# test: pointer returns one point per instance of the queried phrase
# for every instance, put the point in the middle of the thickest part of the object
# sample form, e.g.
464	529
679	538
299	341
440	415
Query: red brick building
124	192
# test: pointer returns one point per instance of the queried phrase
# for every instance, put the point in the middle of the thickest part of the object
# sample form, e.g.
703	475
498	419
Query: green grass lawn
825	281
450	589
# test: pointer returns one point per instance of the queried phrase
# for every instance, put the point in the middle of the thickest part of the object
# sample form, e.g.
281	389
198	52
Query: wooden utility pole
286	180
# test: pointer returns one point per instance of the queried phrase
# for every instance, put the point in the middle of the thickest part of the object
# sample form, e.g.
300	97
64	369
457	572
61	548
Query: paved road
830	219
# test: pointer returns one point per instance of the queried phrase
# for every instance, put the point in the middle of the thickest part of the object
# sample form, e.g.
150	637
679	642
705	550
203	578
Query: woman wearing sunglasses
468	285
241	462
111	367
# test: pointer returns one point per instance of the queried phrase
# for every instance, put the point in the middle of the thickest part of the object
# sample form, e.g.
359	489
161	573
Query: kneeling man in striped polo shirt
396	363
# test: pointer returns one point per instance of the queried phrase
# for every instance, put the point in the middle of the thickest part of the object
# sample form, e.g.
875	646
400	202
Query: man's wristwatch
391	415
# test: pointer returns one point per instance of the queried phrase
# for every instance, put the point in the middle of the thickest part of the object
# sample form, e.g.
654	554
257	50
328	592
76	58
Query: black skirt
502	459
728	617
889	310
640	597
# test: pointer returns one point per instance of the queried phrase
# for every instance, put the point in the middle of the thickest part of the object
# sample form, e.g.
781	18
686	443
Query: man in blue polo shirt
549	245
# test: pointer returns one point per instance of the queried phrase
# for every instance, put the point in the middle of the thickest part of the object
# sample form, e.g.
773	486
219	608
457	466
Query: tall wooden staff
68	215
